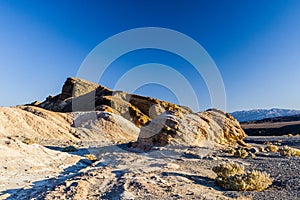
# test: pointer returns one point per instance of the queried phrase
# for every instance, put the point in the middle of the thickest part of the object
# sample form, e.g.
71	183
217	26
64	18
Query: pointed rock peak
75	87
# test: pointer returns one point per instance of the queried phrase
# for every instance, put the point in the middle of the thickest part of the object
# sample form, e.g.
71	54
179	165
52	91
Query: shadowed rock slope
95	120
161	122
81	95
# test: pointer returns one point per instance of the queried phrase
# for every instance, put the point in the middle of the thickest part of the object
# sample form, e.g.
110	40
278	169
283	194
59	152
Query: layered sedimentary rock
48	127
81	95
161	122
195	129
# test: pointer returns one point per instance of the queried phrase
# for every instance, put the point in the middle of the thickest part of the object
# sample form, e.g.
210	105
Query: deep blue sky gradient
255	44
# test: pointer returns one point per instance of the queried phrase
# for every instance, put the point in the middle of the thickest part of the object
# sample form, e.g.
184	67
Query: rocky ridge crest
161	122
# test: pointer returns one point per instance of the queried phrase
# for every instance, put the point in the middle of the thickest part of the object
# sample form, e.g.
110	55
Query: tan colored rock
201	129
161	122
47	127
81	95
75	87
231	132
35	123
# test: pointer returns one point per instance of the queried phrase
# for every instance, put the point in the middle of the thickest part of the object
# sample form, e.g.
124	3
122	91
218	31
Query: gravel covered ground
284	170
165	173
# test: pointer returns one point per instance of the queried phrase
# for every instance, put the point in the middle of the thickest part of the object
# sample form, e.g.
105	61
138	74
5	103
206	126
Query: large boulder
195	129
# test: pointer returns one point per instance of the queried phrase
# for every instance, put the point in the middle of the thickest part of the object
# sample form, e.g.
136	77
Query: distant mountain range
258	114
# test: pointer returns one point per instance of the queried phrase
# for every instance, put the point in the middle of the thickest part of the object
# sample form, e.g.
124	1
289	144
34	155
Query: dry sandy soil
45	172
34	163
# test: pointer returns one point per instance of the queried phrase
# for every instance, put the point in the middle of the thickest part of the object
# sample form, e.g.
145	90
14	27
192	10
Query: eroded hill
136	140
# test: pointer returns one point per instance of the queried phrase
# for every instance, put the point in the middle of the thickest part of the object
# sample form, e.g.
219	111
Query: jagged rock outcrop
161	122
195	129
81	95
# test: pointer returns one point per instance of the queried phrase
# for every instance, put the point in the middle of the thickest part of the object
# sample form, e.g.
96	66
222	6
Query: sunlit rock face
194	129
161	123
81	95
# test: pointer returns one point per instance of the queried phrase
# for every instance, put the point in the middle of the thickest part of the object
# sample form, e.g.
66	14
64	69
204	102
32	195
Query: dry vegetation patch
231	176
228	169
28	141
289	151
91	157
241	153
272	148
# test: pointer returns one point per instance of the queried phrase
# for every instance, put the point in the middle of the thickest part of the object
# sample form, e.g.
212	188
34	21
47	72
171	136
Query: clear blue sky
255	44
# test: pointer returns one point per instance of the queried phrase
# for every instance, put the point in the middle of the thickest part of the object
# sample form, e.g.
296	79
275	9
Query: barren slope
115	127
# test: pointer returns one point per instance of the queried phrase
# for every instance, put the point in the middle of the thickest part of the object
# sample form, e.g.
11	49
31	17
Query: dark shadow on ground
79	152
118	189
205	181
39	188
208	182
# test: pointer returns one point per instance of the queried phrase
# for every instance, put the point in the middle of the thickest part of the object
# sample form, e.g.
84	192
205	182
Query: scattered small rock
28	141
272	148
241	153
91	157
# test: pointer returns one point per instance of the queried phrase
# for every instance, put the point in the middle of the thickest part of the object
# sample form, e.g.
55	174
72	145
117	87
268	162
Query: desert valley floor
133	147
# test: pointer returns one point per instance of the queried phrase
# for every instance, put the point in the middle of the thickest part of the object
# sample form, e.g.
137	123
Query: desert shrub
228	169
91	157
250	181
231	176
230	151
28	141
289	151
268	143
272	148
70	149
262	149
241	153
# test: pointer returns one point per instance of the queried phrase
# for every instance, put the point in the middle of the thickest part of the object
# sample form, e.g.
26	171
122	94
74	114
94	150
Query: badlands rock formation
46	127
194	129
161	122
81	95
142	148
120	129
